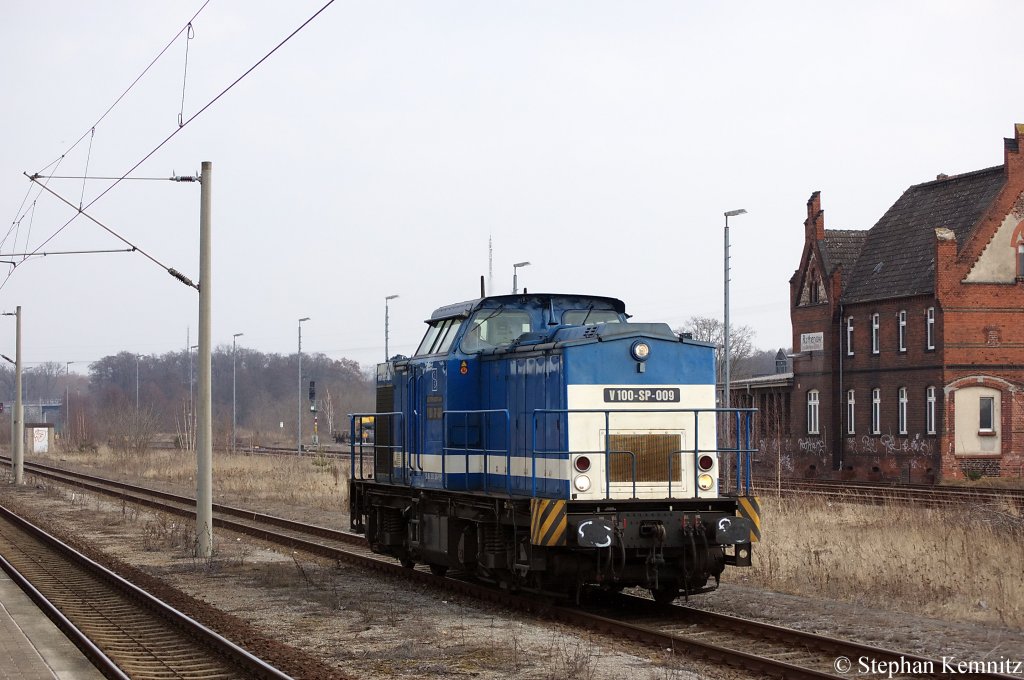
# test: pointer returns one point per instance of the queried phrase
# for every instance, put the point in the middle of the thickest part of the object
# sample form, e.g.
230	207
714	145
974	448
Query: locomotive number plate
642	395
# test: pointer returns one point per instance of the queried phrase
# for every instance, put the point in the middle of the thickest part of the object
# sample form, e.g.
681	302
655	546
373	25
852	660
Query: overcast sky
378	150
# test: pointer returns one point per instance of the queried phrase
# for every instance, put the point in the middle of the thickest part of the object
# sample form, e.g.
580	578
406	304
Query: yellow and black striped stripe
750	508
548	522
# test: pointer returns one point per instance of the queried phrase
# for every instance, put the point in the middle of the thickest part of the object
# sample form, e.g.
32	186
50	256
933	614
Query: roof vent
941	175
878	268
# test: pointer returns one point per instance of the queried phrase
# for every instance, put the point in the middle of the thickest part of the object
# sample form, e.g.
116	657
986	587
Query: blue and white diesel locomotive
543	442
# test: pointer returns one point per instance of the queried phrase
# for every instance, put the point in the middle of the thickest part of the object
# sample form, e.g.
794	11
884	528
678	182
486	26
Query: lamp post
234	396
298	429
725	333
515	275
387	355
191	385
136	383
67	396
18	418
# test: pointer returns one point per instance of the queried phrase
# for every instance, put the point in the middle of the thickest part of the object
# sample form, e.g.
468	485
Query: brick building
909	337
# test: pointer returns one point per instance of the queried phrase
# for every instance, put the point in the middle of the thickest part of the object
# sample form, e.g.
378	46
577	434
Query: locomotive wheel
666	593
407	562
438	569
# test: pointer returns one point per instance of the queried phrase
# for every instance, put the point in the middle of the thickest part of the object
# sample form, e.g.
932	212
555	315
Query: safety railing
736	424
356	440
741	446
466	450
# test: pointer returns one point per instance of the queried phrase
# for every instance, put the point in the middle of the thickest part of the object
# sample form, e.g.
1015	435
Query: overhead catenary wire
132	85
92	136
173	272
92	128
184	78
81	211
69	252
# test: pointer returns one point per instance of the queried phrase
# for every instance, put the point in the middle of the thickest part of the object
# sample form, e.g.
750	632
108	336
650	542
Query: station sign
811	342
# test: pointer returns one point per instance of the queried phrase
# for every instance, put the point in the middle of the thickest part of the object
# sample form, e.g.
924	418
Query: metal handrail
486	451
391	447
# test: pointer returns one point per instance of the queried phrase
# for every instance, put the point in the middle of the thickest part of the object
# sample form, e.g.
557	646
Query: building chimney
814	226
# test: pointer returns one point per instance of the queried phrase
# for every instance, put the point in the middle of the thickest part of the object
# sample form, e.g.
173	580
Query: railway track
877	492
762	648
123	630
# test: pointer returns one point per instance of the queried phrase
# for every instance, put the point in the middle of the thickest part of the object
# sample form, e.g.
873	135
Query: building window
874	333
929	327
812	412
1020	261
903	330
929	414
850	421
849	336
876	411
903	410
986	414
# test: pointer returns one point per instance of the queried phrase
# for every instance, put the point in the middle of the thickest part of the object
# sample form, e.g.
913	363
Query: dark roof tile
898	255
841	248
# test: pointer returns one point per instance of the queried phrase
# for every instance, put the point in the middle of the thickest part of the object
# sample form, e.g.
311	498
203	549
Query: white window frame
813	403
875	325
929	412
929	327
876	411
991	413
902	410
849	336
851	403
903	330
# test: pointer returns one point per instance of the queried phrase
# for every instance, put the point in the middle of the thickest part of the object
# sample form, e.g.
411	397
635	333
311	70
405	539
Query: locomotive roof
466	308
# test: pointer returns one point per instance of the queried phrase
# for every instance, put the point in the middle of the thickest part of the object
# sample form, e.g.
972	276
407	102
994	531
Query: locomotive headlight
582	483
705	482
640	350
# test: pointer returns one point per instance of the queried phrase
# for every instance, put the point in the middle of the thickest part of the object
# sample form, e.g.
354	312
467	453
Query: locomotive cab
543	441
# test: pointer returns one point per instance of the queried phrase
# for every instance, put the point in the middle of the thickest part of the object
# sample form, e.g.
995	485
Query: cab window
439	337
489	328
578	317
429	338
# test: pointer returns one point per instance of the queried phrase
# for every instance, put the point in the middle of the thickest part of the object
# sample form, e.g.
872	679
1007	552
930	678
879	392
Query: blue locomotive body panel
486	418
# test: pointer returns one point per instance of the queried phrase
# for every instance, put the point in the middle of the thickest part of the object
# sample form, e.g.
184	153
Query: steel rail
352	548
104	584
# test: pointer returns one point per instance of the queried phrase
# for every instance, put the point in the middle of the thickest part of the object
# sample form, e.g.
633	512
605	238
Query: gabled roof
897	258
841	248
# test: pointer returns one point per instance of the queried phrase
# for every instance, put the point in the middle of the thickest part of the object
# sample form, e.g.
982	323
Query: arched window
812	412
903	330
850	421
929	413
903	410
874	333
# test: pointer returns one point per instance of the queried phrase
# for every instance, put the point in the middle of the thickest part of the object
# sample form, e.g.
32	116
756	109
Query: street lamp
137	383
18	418
386	300
298	429
191	385
67	396
515	275
726	376
234	415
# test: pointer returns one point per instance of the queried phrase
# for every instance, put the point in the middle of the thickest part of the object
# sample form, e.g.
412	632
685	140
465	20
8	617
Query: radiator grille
652	457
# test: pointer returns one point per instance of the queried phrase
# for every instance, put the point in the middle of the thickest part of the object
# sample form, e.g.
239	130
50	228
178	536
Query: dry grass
959	563
252	481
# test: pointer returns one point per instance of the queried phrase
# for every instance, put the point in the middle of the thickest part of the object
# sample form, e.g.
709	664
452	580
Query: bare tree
131	431
327	409
741	338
